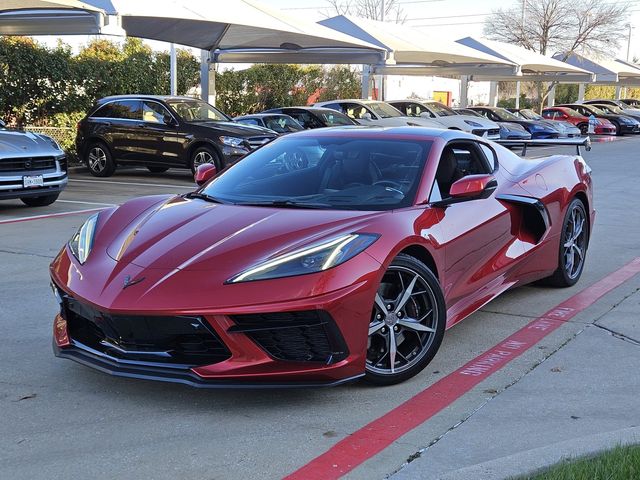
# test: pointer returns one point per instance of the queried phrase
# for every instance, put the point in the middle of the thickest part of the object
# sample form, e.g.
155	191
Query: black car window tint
305	119
127	109
153	112
105	111
248	121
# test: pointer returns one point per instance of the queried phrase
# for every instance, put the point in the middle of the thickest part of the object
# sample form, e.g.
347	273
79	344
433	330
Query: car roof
305	107
145	97
262	115
358	131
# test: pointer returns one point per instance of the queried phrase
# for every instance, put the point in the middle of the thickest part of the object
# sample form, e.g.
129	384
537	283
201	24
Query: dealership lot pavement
62	419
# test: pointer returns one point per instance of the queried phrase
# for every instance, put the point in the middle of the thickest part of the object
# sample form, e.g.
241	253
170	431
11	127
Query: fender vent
535	218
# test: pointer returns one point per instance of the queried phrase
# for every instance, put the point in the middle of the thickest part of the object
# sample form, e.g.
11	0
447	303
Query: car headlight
232	141
311	259
472	123
81	243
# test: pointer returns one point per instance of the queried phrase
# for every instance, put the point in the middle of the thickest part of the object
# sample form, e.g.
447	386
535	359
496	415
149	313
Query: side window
127	109
248	121
355	111
490	156
304	118
547	113
153	112
105	111
457	161
334	106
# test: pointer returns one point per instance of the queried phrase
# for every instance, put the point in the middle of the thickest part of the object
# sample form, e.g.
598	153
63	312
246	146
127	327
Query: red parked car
567	114
350	262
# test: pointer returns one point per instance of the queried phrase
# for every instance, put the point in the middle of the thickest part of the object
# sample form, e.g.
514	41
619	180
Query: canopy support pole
207	78
173	70
581	89
618	92
493	94
551	98
464	91
517	95
366	82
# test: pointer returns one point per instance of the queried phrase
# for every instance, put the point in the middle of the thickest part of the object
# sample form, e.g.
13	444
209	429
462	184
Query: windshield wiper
285	204
205	197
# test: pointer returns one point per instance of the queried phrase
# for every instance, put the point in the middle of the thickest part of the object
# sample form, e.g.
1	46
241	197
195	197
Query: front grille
304	336
255	142
183	341
27	164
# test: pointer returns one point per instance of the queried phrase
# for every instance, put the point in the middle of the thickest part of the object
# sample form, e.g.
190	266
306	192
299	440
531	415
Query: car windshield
440	110
384	110
530	114
326	172
333	119
282	124
504	115
197	111
571	112
595	110
610	109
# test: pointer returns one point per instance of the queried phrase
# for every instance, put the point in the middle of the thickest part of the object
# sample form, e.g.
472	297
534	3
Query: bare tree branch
371	9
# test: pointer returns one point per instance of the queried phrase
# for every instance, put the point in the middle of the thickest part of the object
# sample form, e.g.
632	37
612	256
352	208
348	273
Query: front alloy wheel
407	323
99	161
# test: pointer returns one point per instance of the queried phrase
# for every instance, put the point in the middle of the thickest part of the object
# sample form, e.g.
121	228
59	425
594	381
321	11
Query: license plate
31	181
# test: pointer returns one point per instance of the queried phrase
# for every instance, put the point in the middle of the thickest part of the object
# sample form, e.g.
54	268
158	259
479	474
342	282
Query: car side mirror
169	120
204	173
473	186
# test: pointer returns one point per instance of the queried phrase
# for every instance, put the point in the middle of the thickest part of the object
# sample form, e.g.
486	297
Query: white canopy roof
532	65
607	71
241	26
410	46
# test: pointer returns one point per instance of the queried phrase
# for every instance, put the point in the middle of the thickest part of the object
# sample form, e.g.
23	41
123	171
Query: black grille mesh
304	336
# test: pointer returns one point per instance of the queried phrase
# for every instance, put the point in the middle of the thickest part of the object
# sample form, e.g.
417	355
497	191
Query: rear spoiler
551	142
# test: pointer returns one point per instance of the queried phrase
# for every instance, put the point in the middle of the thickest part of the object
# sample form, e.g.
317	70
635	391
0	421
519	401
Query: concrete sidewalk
583	399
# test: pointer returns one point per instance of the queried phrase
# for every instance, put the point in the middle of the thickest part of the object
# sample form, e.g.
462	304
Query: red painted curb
370	440
50	215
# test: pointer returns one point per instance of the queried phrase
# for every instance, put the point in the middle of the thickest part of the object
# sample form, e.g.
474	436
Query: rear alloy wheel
407	324
40	201
573	246
203	155
584	128
154	169
99	160
618	129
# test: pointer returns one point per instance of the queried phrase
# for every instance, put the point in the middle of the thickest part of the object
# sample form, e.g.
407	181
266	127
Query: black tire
417	325
203	155
99	160
584	128
40	201
562	277
155	169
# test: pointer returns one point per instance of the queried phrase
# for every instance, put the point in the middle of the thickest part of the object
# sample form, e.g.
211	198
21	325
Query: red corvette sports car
321	257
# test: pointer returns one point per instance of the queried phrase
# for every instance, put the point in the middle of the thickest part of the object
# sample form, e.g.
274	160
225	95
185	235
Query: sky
451	19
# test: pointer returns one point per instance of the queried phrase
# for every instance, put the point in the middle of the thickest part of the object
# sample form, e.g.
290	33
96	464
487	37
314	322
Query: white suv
482	127
373	112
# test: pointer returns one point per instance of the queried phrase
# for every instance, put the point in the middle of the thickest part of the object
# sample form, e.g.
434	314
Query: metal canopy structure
606	71
409	46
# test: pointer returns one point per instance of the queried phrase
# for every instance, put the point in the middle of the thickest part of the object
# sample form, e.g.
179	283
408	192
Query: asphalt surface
60	419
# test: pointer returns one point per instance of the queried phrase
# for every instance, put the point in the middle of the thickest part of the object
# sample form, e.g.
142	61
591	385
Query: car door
478	238
125	129
157	135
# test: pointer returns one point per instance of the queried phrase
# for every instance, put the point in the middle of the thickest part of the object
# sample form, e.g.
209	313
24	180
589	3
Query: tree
371	9
561	26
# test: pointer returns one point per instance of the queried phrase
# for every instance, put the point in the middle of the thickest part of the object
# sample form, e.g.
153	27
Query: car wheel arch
422	253
204	143
96	139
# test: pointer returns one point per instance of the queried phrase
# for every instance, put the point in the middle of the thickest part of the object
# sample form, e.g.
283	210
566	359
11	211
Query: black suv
161	132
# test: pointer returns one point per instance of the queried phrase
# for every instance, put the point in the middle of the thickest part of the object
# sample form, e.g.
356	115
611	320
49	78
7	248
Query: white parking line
86	203
138	184
49	215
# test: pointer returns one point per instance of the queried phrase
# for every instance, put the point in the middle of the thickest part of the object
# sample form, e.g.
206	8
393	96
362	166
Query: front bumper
257	357
54	181
625	128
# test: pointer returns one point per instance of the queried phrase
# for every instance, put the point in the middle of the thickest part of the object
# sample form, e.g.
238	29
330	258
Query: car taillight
78	127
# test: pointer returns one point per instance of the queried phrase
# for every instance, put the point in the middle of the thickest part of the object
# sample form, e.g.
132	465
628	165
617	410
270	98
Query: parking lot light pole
524	6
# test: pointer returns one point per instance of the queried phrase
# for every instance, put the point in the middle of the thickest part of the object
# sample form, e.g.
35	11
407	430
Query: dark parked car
315	117
162	132
565	129
615	110
33	167
622	123
537	129
277	122
632	102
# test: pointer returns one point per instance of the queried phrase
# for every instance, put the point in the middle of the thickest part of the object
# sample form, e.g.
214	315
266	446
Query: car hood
235	128
485	122
18	143
191	234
